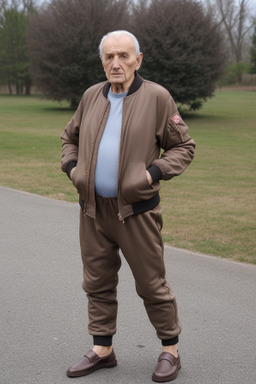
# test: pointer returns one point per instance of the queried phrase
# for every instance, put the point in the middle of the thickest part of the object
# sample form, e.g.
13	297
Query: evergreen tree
182	48
253	53
63	42
14	58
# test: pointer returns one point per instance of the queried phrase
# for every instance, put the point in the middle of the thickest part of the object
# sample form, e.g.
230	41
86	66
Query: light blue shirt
108	153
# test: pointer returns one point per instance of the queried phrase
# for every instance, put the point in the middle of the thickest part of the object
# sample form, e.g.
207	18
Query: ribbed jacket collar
137	82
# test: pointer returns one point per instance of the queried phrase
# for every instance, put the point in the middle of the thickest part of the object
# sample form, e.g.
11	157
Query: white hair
120	33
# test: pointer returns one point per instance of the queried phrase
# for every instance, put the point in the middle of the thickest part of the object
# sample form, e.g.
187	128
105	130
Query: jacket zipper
119	165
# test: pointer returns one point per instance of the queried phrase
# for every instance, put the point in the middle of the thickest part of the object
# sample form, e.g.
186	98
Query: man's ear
102	65
139	60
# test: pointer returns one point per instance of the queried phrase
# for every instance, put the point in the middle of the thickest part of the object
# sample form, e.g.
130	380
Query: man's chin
116	79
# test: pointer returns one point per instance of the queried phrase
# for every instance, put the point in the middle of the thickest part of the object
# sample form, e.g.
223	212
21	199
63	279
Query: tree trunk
10	87
17	85
28	83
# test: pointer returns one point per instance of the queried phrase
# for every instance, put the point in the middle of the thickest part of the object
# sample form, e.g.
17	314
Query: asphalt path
43	317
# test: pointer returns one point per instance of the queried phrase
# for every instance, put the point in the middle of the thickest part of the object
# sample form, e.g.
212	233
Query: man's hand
71	172
150	181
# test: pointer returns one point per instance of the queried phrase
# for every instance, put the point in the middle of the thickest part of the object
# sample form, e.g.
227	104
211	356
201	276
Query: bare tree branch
237	21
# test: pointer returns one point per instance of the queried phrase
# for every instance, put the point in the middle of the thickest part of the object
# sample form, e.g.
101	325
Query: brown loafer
90	363
167	368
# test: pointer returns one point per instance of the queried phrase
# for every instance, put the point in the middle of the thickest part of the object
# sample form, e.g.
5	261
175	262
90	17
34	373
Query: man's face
120	61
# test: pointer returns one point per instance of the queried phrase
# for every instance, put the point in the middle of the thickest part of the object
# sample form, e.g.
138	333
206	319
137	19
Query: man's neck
121	87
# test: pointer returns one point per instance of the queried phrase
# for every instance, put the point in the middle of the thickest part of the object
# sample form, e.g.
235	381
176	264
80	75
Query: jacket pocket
78	180
74	177
134	184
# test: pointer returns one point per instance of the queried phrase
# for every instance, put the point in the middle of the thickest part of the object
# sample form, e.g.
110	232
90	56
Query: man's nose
116	62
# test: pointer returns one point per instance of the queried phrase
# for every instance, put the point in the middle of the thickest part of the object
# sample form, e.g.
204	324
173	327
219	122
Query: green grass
210	208
30	155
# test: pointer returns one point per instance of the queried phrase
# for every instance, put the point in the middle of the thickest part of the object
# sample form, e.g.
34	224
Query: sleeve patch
176	118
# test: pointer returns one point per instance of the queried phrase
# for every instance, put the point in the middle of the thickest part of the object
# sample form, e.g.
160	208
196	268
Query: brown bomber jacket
150	122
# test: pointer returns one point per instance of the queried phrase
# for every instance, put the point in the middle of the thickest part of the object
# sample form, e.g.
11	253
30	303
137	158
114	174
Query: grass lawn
211	208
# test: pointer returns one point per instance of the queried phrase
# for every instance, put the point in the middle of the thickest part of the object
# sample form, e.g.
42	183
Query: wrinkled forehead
118	44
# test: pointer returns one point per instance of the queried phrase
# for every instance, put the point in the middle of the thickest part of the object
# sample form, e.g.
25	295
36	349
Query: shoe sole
167	378
88	371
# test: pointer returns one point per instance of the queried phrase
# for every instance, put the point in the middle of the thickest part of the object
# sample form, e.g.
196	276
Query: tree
181	46
236	19
63	43
237	23
253	52
14	58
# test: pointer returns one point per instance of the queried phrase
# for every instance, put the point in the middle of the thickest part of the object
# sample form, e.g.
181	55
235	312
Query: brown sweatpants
140	241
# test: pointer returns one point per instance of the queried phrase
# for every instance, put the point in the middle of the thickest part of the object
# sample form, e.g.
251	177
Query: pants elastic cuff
172	341
105	341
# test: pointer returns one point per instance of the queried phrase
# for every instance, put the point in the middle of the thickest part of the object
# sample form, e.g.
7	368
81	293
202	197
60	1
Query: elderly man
111	152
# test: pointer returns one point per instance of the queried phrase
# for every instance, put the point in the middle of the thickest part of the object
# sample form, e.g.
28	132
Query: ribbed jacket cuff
155	173
70	166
